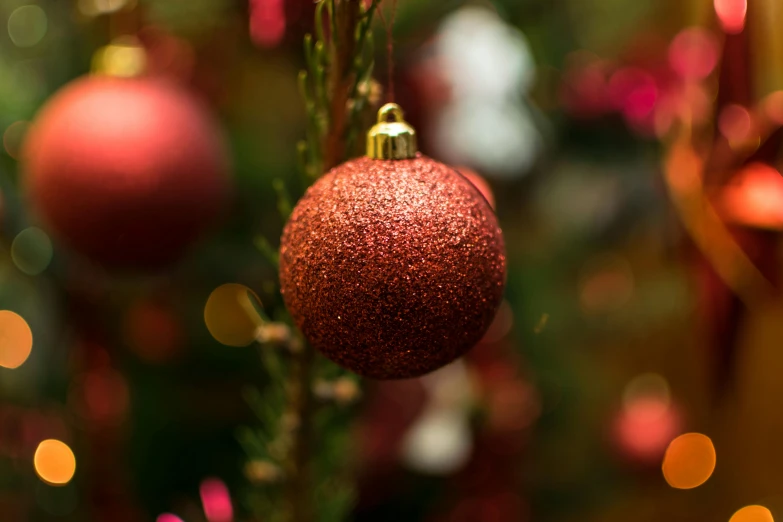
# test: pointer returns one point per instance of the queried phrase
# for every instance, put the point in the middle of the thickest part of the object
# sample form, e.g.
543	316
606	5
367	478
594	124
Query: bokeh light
689	461
267	22
13	136
648	421
644	428
54	462
693	54
27	25
731	14
439	443
101	7
16	340
230	316
753	513
753	197
216	501
634	92
32	251
735	123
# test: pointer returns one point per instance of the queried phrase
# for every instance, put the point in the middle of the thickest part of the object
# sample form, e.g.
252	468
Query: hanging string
389	28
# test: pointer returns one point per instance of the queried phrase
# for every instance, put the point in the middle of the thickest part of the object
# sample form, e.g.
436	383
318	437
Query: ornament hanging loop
391	112
392	138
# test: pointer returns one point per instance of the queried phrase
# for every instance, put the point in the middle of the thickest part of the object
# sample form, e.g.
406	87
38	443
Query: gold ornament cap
392	138
125	57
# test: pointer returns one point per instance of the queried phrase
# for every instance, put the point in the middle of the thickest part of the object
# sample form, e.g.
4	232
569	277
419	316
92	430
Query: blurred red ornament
645	427
127	172
480	184
392	265
754	198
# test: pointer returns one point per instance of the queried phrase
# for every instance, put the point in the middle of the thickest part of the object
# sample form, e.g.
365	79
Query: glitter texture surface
392	269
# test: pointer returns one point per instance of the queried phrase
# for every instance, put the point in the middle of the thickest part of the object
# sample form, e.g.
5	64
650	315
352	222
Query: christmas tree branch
342	78
297	469
344	18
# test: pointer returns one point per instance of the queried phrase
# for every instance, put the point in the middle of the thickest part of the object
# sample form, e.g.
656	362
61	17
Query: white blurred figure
484	56
489	67
440	441
497	138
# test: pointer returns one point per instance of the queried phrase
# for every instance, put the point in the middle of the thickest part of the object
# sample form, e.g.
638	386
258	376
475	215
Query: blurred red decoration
634	93
216	501
267	22
584	91
731	14
753	198
693	54
154	332
651	87
735	123
500	326
127	172
644	428
101	396
480	183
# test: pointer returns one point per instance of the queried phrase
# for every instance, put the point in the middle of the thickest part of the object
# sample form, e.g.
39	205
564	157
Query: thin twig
299	416
389	28
341	80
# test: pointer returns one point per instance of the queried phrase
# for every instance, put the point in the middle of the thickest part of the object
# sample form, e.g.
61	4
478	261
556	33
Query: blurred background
631	150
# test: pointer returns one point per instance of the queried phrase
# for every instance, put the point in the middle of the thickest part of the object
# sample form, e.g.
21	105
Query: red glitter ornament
392	267
127	172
